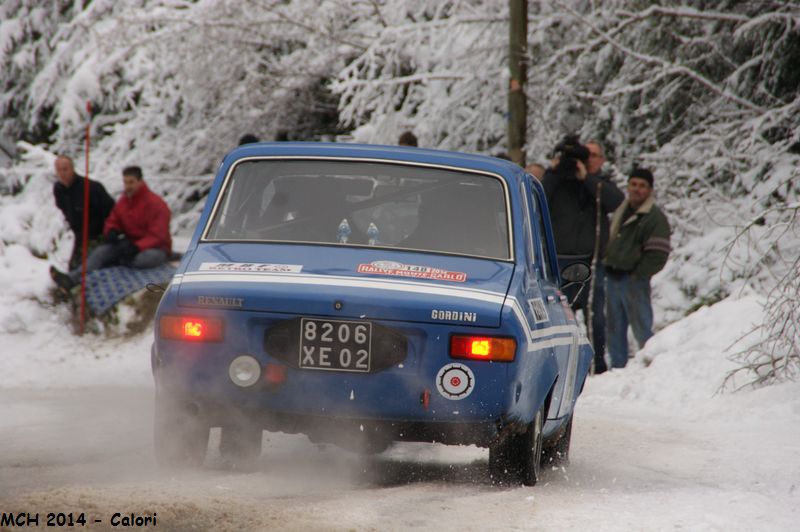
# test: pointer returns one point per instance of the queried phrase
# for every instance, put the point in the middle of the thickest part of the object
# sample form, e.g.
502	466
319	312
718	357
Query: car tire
556	453
529	453
518	458
180	435
240	446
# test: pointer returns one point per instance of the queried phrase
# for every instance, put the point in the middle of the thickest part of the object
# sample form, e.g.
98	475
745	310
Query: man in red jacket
136	233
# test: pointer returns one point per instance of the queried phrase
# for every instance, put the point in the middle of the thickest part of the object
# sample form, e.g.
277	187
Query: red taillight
190	329
483	348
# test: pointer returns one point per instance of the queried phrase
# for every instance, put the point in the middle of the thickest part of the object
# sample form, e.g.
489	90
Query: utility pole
518	68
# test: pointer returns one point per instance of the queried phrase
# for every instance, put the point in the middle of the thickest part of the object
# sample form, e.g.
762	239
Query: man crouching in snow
135	234
68	192
638	248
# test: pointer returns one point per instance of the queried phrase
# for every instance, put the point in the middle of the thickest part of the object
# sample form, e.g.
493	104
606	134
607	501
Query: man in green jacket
638	248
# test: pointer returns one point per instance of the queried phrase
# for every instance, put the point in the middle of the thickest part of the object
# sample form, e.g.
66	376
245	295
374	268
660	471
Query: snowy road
634	466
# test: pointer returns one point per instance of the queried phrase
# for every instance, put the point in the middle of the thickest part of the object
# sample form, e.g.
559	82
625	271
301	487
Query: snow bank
684	366
39	349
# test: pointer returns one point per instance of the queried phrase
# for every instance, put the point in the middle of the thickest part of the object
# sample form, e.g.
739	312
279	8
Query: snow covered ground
656	446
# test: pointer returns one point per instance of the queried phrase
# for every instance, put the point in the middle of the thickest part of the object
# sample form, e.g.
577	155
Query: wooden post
518	68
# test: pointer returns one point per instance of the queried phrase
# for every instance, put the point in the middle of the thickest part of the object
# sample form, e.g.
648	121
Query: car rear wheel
556	453
518	458
180	435
529	454
240	446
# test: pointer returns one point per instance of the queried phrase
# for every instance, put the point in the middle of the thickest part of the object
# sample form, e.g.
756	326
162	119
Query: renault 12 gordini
363	295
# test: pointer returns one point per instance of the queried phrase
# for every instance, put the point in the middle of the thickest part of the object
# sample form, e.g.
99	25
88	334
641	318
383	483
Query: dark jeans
111	254
628	303
597	331
598	338
77	253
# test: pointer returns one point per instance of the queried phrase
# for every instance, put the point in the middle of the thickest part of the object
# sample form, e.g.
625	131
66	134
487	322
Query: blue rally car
368	294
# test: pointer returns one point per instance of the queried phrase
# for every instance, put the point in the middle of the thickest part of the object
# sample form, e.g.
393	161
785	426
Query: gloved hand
127	249
114	236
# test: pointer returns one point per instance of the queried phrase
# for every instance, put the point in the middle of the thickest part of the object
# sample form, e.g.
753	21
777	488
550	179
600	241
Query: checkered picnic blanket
107	286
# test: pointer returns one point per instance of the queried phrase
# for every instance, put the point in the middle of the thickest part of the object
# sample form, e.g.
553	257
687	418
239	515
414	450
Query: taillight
190	329
483	348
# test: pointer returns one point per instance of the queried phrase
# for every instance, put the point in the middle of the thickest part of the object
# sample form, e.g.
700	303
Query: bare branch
684	12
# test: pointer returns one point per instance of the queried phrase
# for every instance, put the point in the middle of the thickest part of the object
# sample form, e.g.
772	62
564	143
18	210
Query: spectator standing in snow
407	139
580	197
638	248
68	193
136	233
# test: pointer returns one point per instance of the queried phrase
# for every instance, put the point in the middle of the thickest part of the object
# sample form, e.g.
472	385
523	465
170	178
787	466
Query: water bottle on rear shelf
372	234
344	231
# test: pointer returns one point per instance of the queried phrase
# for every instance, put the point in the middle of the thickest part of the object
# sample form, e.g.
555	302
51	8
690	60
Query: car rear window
354	203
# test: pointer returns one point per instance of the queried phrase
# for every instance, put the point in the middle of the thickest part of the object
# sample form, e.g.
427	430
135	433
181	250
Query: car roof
485	163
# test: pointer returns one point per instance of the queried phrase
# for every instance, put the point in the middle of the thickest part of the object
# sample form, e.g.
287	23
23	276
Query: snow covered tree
436	67
27	39
175	84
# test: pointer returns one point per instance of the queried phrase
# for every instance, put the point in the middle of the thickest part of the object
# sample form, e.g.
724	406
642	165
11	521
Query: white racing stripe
350	282
563	333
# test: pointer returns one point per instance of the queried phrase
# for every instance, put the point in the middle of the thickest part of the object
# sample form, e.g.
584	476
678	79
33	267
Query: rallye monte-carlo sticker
249	267
455	381
398	269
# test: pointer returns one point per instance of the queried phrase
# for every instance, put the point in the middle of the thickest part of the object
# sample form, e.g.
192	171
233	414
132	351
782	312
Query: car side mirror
577	272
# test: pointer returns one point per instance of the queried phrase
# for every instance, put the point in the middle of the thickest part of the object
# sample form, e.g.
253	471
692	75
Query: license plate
335	345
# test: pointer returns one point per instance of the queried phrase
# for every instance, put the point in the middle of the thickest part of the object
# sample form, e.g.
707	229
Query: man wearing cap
638	248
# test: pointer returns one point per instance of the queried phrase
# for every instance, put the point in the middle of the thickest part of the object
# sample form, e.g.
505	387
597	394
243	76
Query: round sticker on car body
455	381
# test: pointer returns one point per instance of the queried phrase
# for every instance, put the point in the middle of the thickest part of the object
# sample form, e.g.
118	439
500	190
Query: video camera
569	151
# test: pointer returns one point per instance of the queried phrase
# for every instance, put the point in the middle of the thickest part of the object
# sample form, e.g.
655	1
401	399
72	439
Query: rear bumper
351	432
395	395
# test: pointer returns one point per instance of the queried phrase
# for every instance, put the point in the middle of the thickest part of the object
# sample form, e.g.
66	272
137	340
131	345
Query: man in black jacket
575	188
68	193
